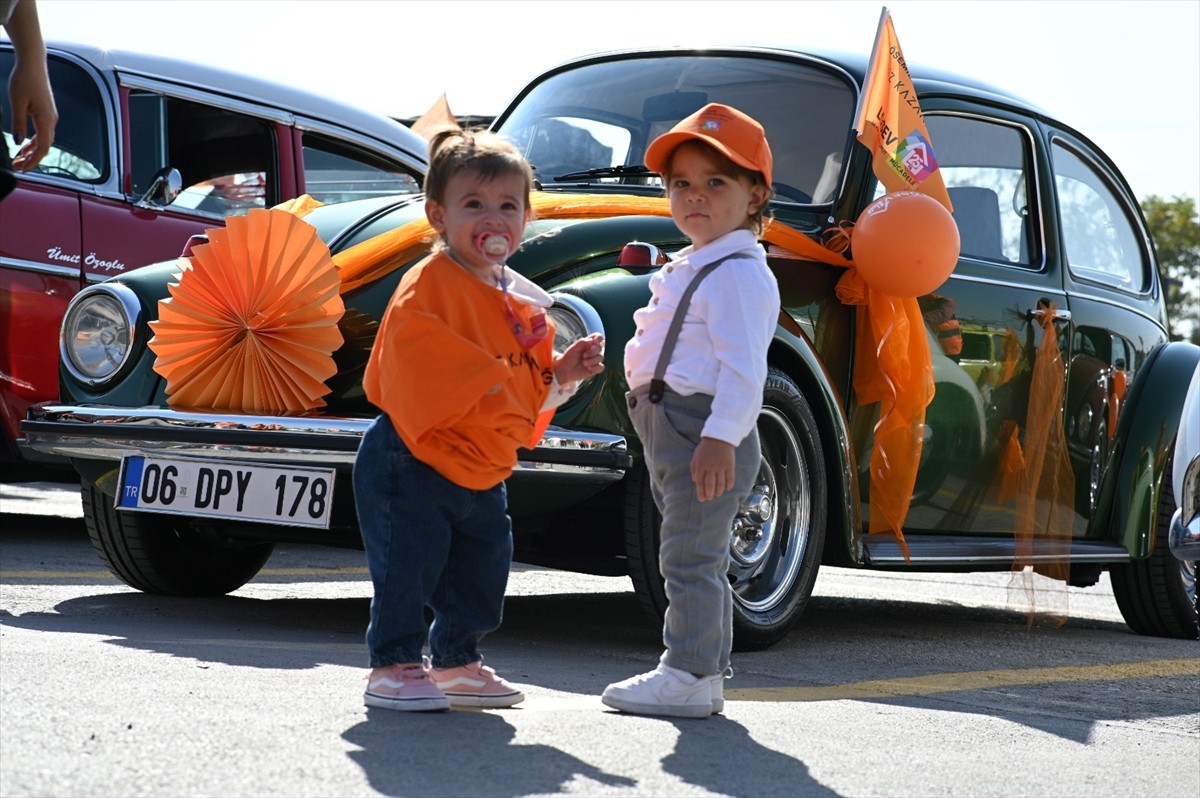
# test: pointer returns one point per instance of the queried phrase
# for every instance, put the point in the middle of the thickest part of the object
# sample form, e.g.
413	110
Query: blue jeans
429	543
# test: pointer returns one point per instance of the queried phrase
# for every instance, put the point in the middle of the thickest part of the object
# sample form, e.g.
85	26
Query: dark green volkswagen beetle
1056	294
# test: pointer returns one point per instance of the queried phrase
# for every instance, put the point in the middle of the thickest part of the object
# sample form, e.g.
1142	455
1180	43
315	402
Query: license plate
237	491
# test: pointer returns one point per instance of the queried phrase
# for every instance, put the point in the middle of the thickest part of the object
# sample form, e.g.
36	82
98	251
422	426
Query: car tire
775	545
1157	595
164	554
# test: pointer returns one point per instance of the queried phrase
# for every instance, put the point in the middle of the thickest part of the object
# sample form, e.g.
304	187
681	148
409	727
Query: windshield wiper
632	170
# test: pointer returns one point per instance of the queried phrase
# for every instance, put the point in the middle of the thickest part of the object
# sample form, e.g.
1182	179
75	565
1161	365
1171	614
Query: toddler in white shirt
695	392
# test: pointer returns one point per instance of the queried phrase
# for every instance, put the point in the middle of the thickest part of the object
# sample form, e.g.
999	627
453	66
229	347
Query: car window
605	116
1099	240
338	172
80	149
560	145
226	159
985	167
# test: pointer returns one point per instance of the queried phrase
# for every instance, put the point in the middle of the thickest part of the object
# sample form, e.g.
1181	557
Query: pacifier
494	245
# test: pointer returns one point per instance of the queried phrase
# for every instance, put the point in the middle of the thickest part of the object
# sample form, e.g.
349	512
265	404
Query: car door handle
1056	314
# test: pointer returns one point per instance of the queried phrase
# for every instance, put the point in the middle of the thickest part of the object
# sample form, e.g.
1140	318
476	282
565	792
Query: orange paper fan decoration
251	324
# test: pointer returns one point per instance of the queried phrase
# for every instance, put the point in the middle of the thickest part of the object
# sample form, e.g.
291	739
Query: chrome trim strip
209	96
41	268
960	550
367	140
110	433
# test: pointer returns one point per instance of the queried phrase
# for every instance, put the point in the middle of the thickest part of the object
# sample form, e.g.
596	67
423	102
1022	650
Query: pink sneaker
406	687
475	685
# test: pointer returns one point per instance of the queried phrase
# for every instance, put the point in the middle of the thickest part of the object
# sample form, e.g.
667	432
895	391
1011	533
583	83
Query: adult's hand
29	90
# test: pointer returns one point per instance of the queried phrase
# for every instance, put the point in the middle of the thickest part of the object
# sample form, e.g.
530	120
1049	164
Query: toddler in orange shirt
464	371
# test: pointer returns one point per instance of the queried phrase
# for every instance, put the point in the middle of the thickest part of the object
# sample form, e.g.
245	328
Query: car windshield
592	124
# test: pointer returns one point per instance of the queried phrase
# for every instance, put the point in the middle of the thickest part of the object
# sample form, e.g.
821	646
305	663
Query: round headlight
98	332
573	319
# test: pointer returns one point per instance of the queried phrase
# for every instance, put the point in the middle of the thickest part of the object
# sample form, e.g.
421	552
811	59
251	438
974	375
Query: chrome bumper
111	433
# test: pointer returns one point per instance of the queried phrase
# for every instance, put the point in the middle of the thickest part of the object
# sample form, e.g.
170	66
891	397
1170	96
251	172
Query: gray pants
694	555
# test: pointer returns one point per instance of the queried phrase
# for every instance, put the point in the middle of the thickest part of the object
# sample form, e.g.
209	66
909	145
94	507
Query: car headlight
573	319
97	333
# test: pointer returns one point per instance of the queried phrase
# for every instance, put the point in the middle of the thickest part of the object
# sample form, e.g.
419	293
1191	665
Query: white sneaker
718	690
665	691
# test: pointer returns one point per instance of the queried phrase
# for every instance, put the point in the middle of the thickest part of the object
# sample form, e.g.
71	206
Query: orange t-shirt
449	373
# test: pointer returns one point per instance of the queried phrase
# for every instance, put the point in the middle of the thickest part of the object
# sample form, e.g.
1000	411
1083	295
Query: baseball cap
729	131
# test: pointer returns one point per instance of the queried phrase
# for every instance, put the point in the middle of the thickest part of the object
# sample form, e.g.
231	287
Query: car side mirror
164	188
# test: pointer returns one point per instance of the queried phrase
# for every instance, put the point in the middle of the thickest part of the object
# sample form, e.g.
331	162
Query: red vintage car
148	152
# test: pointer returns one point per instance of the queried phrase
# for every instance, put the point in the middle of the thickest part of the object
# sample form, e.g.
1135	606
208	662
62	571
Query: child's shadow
472	753
719	755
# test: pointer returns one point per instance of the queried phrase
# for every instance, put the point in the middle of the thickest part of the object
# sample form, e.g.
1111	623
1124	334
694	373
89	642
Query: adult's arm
29	90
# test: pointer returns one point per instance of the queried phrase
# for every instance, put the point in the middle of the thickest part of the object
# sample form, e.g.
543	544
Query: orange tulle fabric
1046	501
1039	477
894	368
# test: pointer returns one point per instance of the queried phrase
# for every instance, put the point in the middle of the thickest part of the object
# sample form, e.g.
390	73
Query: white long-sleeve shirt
722	348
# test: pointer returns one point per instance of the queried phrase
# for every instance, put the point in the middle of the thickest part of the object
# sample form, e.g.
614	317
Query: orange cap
738	137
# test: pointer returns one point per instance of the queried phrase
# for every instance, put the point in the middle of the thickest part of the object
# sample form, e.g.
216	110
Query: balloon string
837	239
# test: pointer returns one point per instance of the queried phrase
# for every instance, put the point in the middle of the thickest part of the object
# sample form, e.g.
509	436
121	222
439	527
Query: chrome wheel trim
770	532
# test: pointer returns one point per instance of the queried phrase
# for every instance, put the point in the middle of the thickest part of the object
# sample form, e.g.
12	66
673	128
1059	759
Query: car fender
794	353
1129	493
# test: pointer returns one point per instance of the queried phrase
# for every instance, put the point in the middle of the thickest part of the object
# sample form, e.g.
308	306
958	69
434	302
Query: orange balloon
905	244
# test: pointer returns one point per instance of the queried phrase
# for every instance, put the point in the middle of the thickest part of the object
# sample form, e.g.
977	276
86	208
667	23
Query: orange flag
437	118
890	124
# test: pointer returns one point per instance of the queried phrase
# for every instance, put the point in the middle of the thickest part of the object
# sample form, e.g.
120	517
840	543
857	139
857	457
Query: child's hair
725	164
452	151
